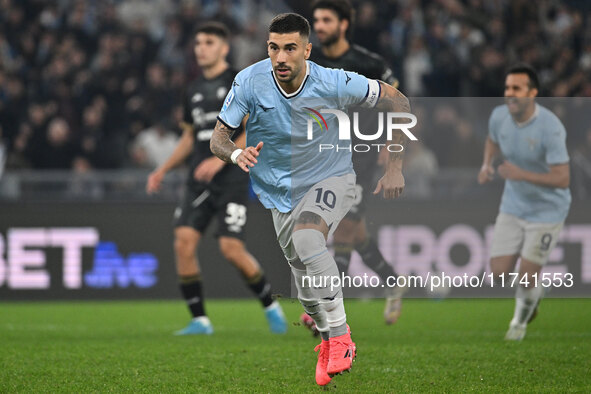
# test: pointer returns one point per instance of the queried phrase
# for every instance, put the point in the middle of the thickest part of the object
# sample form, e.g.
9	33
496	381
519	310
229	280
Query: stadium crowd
97	84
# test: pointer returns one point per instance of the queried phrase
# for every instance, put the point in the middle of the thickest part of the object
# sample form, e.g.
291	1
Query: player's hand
154	181
208	168
392	184
486	174
509	170
248	157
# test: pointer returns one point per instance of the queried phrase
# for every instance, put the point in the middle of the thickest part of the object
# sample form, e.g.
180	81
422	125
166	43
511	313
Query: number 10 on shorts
326	196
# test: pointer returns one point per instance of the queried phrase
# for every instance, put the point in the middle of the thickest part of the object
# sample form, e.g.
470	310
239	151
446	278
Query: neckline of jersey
291	95
530	120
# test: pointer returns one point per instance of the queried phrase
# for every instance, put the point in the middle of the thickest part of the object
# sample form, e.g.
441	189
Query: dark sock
342	256
191	290
261	288
371	256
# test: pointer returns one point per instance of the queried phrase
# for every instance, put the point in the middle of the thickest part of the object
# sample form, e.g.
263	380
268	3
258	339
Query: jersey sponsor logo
201	118
197	97
347	79
204	135
221	92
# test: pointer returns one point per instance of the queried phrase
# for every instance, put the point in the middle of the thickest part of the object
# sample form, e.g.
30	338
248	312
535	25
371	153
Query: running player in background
307	190
333	19
214	190
536	198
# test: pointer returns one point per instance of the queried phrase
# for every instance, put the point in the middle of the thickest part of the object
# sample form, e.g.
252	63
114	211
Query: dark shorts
201	204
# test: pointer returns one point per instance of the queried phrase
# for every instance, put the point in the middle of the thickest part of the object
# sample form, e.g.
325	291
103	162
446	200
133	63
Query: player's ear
344	27
308	50
225	48
533	92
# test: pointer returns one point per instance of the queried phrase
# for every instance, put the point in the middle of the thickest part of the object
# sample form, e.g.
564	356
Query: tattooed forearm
221	143
397	152
393	100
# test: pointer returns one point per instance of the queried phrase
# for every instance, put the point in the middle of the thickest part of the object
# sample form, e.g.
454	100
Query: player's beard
208	62
517	105
330	39
294	72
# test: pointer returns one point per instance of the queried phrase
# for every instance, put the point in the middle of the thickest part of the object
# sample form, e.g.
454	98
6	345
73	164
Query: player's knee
184	247
232	249
308	243
497	272
502	265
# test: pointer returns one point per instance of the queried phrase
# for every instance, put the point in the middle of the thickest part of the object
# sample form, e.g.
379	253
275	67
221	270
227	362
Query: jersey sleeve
555	144
235	105
493	122
355	89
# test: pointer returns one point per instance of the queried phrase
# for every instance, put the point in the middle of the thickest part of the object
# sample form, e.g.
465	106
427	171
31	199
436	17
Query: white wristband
235	154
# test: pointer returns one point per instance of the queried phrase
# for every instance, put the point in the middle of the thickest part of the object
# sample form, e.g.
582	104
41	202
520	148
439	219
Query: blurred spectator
153	146
466	147
106	68
420	163
581	169
56	149
417	65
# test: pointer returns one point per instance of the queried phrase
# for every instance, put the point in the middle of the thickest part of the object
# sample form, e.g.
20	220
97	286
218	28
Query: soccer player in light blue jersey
536	198
308	190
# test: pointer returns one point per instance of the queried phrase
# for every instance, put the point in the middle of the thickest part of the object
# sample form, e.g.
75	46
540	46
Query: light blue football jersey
533	146
290	163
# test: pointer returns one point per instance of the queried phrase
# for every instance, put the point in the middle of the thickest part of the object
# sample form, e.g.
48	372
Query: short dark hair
215	28
290	23
524	68
342	8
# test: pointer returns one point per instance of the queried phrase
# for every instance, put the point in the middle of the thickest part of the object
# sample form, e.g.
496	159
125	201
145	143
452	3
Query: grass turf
449	346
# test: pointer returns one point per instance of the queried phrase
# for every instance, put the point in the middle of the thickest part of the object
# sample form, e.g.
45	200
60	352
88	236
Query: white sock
310	246
335	316
311	305
525	304
202	319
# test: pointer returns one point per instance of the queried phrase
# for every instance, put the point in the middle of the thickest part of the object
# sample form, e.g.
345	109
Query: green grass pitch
448	346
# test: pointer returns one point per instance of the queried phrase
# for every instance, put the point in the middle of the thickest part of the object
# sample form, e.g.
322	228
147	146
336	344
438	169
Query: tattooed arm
222	146
392	183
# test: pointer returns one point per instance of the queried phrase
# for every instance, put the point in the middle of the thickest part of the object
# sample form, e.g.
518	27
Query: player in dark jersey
214	190
331	21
